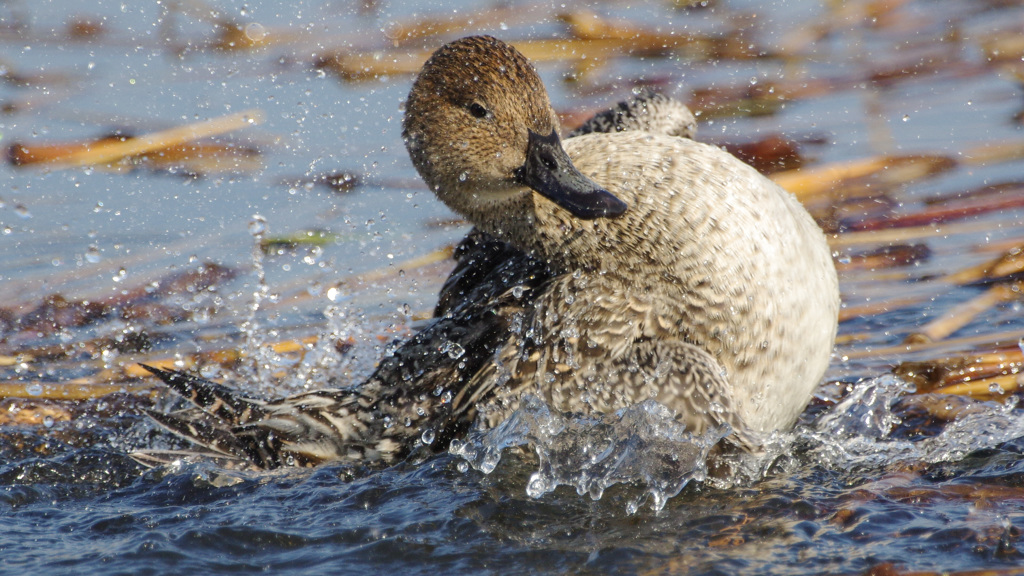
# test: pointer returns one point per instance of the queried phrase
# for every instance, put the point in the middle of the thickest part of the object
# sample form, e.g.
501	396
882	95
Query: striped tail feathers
202	429
302	430
216	400
157	458
315	427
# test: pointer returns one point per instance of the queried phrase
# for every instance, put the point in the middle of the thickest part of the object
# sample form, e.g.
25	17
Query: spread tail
302	430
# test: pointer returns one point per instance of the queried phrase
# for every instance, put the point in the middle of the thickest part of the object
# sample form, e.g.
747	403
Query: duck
623	263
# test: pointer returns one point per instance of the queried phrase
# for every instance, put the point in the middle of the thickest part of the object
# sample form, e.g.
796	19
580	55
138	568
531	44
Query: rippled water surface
911	472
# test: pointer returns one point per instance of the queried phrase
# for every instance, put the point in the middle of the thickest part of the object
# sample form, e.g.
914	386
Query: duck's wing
485	269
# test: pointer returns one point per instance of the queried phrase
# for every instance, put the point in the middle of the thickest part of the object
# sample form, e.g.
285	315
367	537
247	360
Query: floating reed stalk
403	32
114	149
993	153
371	65
77	389
902	235
960	315
1008	338
807	183
1009	263
995	388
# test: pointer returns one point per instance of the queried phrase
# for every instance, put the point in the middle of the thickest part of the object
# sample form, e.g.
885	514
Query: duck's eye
477	110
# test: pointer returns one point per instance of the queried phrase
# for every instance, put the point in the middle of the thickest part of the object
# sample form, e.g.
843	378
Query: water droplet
538	486
34	389
255	32
427	437
22	211
121	273
257	225
490	461
463	176
517	291
462	466
92	254
48	421
453	349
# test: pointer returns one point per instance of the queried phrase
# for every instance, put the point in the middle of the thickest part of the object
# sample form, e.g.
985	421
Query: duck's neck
507	215
537	227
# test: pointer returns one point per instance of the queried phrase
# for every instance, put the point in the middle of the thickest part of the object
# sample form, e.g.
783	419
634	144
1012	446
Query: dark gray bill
551	174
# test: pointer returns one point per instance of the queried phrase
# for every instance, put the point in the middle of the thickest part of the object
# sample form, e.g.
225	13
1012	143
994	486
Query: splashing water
642	444
866	410
254	337
645	445
856	431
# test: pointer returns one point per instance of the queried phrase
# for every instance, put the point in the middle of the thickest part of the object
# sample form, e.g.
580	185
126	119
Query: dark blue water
923	495
424	518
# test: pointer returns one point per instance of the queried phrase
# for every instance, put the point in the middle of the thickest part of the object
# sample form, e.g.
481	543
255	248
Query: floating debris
962	314
281	244
773	153
55	313
830	179
1003	46
70	390
340	182
980	375
1007	265
32	412
85	28
886	257
173	146
238	36
950	211
762	99
400	33
361	66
